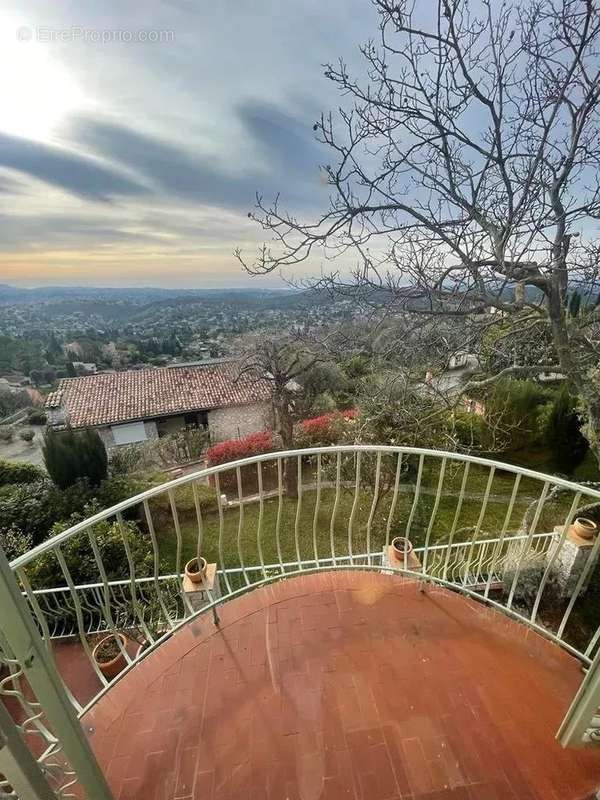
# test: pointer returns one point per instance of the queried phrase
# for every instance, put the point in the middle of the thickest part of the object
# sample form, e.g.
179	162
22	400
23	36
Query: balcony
311	659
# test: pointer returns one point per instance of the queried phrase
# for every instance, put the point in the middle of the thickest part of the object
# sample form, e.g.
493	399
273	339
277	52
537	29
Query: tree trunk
286	431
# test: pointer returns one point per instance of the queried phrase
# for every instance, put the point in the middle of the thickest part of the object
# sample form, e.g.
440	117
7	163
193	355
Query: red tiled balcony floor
347	685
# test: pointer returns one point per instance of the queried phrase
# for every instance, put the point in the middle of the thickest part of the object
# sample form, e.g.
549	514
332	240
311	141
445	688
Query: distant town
53	333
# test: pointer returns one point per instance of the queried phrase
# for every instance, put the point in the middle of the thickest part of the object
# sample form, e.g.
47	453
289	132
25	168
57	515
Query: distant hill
15	294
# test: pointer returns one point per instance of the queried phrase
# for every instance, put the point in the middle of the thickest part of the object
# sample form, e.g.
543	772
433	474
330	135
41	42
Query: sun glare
36	91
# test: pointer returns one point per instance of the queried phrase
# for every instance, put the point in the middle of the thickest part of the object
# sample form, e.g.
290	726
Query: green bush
35	507
12	472
37	416
45	571
71	455
6	433
562	432
27	435
14	542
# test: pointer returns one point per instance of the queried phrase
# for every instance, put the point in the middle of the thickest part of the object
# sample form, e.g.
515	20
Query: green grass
300	534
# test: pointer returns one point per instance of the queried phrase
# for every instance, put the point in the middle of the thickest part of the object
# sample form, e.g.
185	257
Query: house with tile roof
137	405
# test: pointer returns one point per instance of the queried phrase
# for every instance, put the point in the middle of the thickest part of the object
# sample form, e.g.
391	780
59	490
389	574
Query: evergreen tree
563	433
70	456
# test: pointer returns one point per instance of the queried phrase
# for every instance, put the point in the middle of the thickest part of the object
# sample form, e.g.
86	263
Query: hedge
233	449
12	472
326	429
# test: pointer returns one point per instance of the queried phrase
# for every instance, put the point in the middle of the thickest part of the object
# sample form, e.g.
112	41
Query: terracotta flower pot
193	573
402	547
585	528
110	667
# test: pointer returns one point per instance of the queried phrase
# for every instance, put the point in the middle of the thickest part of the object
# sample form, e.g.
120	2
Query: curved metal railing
493	531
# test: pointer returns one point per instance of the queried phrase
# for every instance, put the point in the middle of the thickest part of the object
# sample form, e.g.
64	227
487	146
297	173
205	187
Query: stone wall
238	421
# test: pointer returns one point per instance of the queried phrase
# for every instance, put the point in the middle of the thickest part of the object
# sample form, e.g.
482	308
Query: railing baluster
551	561
25	643
261	509
499	544
336	501
279	512
82	637
238	473
479	523
393	504
221	531
415	502
156	563
298	510
138	613
527	543
373	505
434	511
459	506
593	642
187	606
589	564
354	506
317	509
107	609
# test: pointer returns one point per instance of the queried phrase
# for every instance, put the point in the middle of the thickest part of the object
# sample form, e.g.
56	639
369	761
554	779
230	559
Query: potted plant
401	547
109	656
194	571
27	435
584	528
152	616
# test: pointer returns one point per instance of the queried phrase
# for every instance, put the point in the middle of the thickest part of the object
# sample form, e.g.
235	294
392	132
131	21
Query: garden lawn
249	531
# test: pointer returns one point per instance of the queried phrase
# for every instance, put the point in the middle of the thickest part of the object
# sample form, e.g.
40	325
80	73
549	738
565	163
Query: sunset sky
135	163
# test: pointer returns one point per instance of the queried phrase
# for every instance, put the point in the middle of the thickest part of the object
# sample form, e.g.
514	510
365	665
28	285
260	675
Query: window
129	433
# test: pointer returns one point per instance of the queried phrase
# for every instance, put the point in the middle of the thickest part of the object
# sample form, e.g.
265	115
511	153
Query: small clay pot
111	668
402	547
584	528
193	573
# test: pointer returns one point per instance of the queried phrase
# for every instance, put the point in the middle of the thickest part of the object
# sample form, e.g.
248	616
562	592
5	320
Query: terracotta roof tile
109	398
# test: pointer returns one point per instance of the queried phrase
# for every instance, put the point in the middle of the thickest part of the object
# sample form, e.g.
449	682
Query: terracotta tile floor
346	685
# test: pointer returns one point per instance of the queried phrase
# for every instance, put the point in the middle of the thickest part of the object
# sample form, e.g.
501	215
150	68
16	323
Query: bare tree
466	178
281	361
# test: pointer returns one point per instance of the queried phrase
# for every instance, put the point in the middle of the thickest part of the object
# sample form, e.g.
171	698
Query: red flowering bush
233	449
327	429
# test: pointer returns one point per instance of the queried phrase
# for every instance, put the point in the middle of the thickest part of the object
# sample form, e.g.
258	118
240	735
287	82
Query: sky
134	135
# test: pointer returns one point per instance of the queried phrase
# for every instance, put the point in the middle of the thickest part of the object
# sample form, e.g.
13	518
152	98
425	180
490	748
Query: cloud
80	175
287	159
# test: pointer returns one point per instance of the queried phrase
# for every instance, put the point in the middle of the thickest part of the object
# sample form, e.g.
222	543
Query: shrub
6	433
233	449
71	455
14	542
35	507
562	432
37	416
127	458
326	429
45	571
27	435
12	472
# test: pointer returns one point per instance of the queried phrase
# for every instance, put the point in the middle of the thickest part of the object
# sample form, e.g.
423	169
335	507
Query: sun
36	92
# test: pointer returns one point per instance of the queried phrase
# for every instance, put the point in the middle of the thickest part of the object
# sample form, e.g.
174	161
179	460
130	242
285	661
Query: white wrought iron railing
492	531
